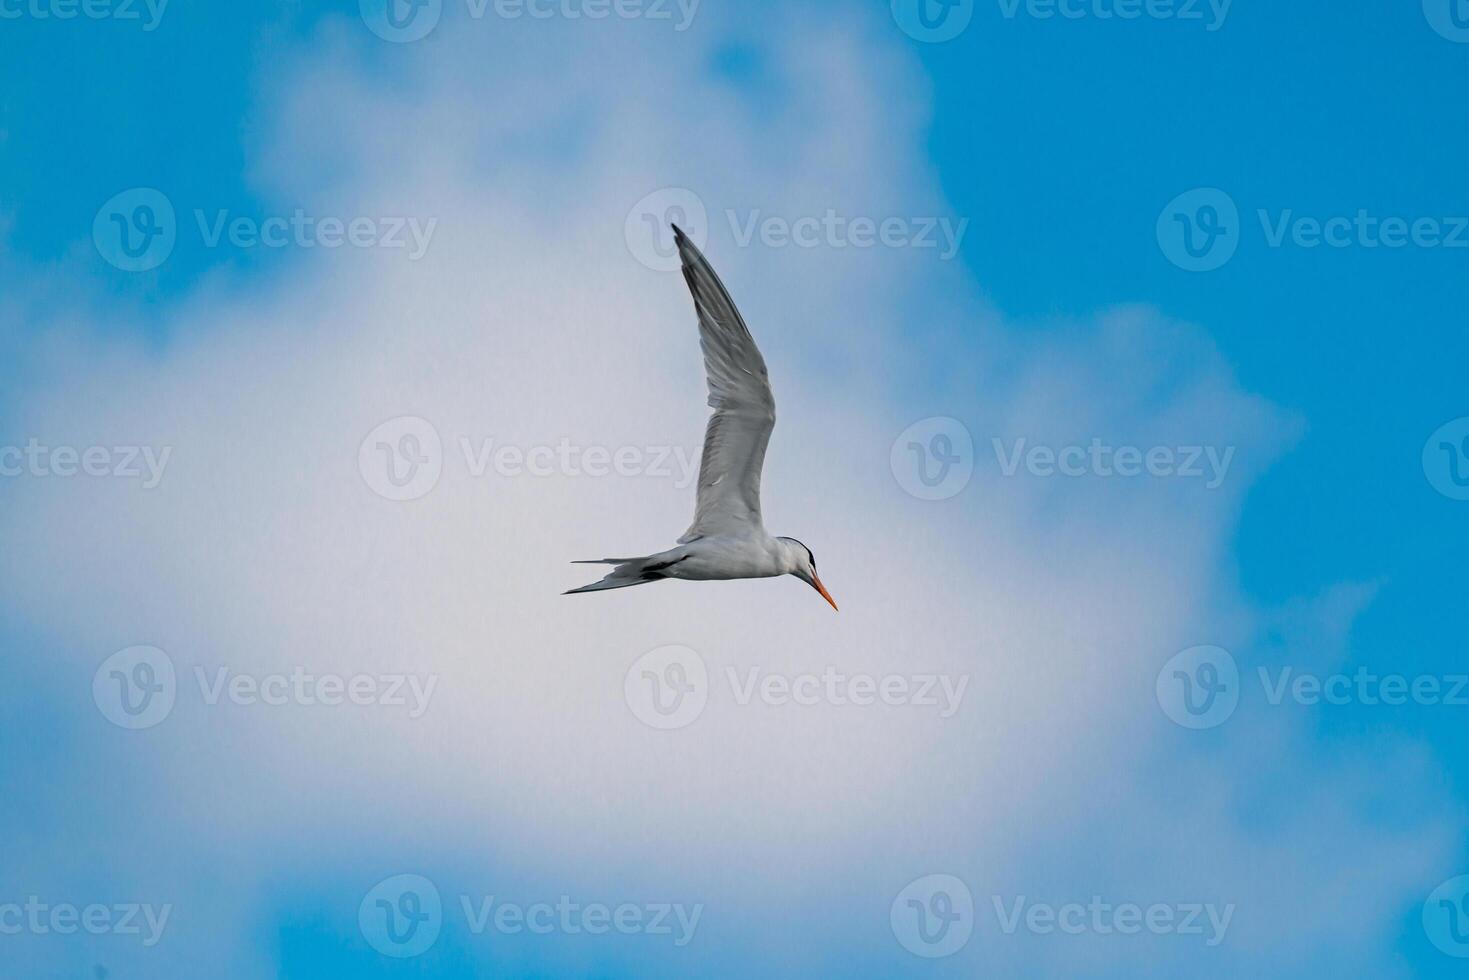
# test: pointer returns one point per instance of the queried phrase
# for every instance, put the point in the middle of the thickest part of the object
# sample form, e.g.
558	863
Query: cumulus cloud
530	322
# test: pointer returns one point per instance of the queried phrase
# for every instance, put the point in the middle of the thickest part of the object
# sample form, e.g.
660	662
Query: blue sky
1061	142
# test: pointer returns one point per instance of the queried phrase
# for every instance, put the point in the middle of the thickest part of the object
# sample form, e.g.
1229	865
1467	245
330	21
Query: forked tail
629	572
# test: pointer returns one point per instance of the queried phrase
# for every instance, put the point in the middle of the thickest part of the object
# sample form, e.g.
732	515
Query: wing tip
686	247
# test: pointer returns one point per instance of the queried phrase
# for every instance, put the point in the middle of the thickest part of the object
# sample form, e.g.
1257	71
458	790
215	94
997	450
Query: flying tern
727	539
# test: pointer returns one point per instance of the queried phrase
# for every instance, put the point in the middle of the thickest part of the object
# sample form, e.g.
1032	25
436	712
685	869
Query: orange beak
816	584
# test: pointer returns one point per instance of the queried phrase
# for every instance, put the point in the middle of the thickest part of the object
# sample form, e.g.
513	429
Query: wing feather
744	406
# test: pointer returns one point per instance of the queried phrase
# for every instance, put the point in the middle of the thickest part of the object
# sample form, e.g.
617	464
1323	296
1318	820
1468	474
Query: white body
727	556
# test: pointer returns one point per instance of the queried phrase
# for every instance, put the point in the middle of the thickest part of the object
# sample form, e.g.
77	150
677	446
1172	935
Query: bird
727	539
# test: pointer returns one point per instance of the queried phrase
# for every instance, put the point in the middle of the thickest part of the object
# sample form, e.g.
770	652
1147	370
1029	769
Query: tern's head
803	567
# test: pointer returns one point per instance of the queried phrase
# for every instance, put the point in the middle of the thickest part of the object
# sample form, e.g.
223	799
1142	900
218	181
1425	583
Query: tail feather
610	582
629	572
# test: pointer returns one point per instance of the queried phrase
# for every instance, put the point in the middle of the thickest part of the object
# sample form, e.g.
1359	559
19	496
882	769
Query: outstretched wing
744	408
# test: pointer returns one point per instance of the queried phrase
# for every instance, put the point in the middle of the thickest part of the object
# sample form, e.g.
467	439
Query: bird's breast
726	558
